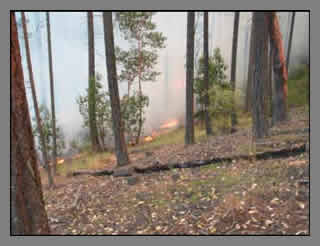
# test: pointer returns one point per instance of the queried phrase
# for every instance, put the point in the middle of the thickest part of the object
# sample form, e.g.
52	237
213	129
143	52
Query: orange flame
170	124
148	139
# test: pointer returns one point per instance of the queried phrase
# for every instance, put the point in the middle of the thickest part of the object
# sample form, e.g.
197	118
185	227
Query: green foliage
139	61
221	104
217	69
130	109
220	92
220	98
139	26
300	72
46	120
102	109
298	87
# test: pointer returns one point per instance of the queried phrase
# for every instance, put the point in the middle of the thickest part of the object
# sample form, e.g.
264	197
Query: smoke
167	94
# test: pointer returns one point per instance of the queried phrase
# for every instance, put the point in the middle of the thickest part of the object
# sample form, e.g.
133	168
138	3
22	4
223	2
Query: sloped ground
241	197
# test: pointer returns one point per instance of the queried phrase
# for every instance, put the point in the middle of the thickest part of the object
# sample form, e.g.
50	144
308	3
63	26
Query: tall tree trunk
35	103
92	87
249	79
279	107
269	83
28	215
234	66
260	47
290	38
140	94
53	112
206	72
117	123
189	129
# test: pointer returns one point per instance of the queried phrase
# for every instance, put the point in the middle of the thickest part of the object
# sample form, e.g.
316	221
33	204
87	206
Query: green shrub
298	87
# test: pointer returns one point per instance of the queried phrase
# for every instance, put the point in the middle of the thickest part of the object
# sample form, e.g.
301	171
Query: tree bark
28	215
234	65
117	123
269	83
189	129
53	112
92	86
290	39
206	72
279	107
35	103
249	81
260	47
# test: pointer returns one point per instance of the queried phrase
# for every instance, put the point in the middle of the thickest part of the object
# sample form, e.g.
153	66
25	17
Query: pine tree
259	76
28	215
234	65
248	102
92	91
290	38
117	123
138	63
279	107
53	112
189	129
35	102
206	72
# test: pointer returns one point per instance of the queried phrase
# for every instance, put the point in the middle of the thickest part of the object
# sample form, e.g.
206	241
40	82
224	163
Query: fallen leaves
275	201
194	204
268	222
301	205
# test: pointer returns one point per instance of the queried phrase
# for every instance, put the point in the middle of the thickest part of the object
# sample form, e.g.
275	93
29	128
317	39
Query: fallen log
93	173
157	166
197	163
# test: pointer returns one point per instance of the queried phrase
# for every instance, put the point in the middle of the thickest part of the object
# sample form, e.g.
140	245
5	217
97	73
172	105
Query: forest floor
240	197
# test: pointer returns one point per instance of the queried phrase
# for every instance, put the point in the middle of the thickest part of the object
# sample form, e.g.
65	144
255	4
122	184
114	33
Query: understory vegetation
238	197
298	87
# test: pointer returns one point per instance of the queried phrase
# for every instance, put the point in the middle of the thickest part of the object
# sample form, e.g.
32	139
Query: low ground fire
148	139
170	124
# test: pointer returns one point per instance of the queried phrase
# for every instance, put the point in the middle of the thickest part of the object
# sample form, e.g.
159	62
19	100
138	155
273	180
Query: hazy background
70	59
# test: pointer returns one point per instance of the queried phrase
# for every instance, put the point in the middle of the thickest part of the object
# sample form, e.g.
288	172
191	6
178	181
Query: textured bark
206	73
35	103
260	46
249	82
266	86
28	215
279	107
290	39
117	123
53	111
189	129
234	65
92	87
269	83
